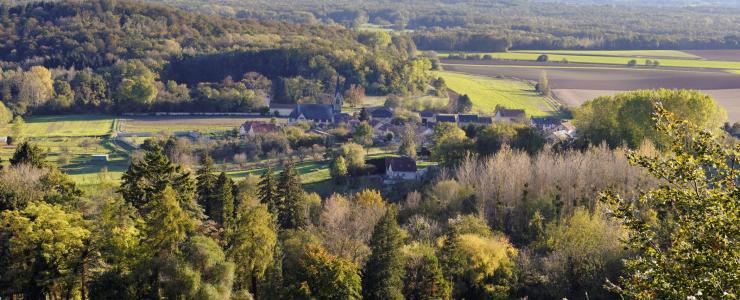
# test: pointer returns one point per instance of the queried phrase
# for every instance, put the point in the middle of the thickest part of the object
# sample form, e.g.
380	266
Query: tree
355	156
424	278
449	144
632	63
28	154
252	246
543	58
408	141
43	248
464	104
5	115
685	232
324	276
149	176
384	270
167	224
268	192
338	170
64	98
292	214
364	115
17	128
543	85
222	209
206	182
363	134
626	117
355	95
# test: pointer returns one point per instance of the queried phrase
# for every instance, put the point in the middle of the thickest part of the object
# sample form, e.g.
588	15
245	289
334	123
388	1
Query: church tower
338	98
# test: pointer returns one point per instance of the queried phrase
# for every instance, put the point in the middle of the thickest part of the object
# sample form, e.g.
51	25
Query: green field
68	126
585	57
487	92
623	53
172	124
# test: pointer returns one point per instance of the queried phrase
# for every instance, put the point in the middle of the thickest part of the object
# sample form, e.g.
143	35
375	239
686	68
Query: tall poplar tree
384	270
268	193
206	182
292	214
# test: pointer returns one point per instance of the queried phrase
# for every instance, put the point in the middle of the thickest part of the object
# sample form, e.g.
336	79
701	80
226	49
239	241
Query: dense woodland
447	25
121	56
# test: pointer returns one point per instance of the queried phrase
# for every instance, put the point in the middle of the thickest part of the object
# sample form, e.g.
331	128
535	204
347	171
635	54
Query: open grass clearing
68	126
487	92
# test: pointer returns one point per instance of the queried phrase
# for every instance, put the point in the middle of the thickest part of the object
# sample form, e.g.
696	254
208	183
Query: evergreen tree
28	154
149	176
268	193
252	246
364	115
206	182
167	224
222	209
384	270
292	214
464	104
425	280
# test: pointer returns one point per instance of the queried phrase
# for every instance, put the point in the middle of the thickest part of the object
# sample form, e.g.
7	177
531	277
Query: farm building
400	168
427	116
99	157
281	109
381	113
547	124
318	113
252	128
463	119
485	120
510	115
445	118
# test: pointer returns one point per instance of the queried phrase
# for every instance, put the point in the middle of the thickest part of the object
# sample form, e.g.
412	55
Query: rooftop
400	164
510	113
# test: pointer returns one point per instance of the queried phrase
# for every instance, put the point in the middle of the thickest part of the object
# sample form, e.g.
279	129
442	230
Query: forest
530	25
120	56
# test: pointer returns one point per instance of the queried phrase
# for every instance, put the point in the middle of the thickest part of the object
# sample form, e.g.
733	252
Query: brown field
573	84
731	55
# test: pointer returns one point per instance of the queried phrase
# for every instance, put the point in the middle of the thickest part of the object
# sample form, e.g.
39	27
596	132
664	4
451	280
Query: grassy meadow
68	126
487	92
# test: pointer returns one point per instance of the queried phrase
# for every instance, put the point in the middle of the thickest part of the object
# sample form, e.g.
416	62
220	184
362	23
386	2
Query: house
342	118
252	128
381	113
485	120
427	116
463	119
547	124
510	115
321	114
281	109
400	168
445	118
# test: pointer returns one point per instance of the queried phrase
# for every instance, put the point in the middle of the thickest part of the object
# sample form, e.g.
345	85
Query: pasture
487	92
620	53
68	126
175	124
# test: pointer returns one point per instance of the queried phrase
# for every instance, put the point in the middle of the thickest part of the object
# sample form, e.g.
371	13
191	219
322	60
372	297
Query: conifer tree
167	224
268	193
292	214
28	154
425	280
384	270
206	182
149	176
222	207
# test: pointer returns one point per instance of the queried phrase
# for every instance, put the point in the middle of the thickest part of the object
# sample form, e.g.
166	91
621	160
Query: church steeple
338	98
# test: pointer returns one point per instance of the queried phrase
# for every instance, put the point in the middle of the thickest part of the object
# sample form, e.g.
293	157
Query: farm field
487	92
603	58
574	85
174	124
69	126
622	53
